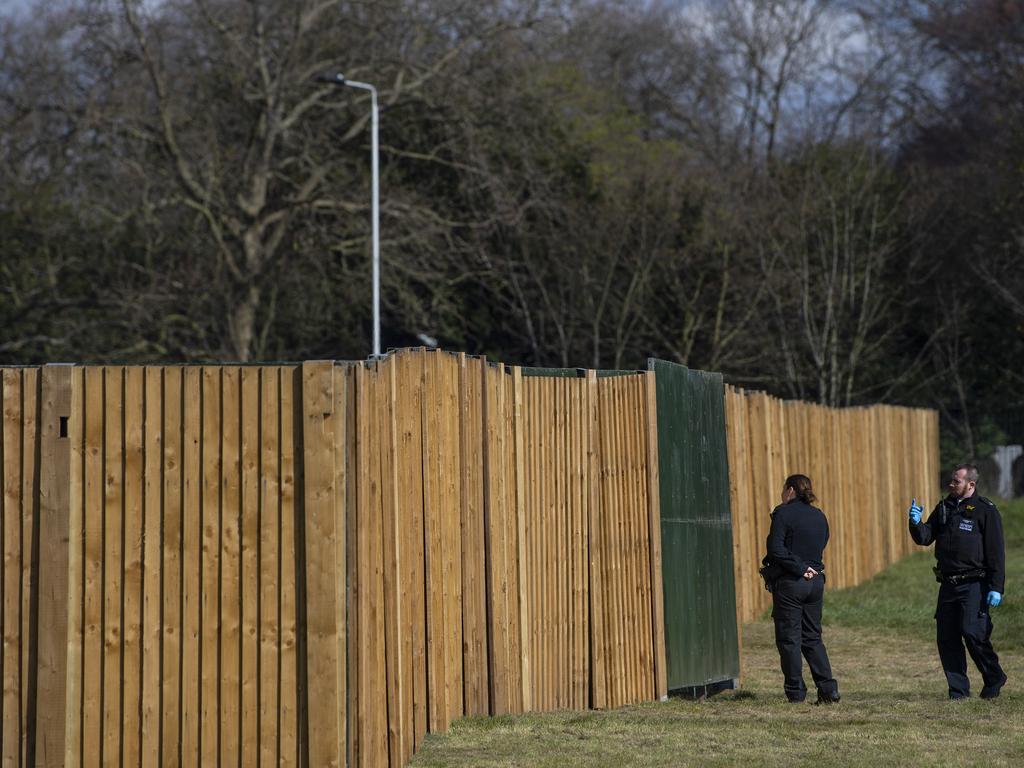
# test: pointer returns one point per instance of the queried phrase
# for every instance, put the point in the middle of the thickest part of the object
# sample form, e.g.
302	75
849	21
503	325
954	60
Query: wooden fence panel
838	448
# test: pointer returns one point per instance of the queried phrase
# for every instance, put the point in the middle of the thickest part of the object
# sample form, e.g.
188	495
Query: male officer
968	536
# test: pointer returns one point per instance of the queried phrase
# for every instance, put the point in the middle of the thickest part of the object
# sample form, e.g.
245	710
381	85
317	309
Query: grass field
894	711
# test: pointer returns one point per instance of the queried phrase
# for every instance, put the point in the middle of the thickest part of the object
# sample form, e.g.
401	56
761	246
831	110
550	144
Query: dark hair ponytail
801	485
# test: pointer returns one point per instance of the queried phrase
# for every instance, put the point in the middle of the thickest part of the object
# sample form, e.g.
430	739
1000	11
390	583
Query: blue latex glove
994	598
914	513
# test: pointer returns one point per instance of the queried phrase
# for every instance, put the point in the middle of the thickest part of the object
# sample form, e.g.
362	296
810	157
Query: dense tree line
821	198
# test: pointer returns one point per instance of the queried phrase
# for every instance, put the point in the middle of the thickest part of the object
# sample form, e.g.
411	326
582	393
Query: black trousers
797	614
962	618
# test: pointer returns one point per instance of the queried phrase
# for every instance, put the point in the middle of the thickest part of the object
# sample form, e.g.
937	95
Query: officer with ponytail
796	541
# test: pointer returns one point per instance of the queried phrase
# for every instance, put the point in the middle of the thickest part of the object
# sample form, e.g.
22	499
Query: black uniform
796	540
969	550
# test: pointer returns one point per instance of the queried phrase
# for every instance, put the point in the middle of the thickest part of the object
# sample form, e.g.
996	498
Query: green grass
880	637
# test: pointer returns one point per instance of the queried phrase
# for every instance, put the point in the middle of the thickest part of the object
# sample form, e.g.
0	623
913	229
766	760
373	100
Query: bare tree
831	258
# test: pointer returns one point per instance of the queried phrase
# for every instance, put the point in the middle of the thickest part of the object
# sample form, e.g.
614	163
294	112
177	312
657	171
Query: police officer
968	536
798	535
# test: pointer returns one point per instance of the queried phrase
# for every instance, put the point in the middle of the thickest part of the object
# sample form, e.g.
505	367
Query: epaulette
983	500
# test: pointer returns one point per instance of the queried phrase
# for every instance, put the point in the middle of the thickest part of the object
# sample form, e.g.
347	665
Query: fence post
654	523
50	555
324	574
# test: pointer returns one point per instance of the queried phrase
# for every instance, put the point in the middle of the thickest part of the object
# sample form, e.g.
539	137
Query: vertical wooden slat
394	621
76	577
269	563
473	593
406	475
506	541
372	719
512	631
553	535
595	524
561	544
645	573
30	567
494	543
531	617
376	695
209	653
323	575
52	574
609	538
544	617
617	542
627	554
113	513
650	413
556	544
152	599
578	552
12	712
514	619
171	573
538	605
230	570
133	489
452	537
288	724
404	504
191	533
251	425
522	540
92	713
433	532
353	448
583	537
340	417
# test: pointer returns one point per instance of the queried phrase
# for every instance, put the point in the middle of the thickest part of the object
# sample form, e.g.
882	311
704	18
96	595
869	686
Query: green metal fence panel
701	638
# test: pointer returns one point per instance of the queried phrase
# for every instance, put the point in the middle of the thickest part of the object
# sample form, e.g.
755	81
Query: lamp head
334	78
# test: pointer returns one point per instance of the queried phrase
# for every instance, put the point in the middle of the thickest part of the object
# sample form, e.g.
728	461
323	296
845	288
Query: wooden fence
501	551
319	564
866	465
308	565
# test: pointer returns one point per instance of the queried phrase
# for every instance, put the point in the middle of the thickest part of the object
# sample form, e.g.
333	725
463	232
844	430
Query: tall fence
319	564
500	549
866	464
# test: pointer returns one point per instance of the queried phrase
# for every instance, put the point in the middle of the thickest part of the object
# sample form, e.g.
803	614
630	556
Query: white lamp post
339	79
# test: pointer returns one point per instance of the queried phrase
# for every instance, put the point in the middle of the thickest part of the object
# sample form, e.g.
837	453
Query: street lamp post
339	80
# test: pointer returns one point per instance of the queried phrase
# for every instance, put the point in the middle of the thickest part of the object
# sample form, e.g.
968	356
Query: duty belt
964	577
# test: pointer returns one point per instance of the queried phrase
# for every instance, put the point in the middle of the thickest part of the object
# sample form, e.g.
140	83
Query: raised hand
914	513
